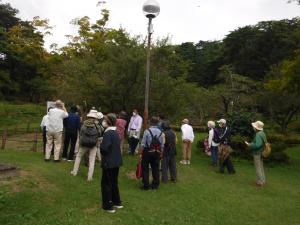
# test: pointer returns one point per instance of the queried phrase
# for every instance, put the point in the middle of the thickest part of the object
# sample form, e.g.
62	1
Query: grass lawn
46	193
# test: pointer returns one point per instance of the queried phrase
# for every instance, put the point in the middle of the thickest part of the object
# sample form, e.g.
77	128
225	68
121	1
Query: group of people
218	147
102	136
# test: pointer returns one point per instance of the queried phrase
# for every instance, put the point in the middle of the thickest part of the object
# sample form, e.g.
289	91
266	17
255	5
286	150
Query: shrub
278	154
240	123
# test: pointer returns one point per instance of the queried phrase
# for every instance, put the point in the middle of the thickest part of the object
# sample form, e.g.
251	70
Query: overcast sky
188	20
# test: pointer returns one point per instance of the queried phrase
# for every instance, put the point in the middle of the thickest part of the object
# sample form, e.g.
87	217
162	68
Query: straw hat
258	125
94	114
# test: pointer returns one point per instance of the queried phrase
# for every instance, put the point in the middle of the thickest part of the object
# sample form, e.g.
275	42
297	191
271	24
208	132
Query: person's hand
247	143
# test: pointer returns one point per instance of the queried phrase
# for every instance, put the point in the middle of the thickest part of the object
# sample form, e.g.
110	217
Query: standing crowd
102	137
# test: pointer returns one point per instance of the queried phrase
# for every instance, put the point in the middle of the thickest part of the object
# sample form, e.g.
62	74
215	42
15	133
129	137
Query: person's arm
78	124
105	144
140	123
192	135
210	137
257	143
129	125
43	122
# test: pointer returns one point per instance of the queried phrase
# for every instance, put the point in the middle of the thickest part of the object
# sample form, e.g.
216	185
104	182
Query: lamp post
151	10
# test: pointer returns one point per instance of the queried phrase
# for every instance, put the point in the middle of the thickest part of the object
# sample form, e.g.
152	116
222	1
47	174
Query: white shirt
210	138
55	120
187	132
135	123
44	122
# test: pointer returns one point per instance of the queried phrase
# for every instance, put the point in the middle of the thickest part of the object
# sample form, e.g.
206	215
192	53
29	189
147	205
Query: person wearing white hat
257	146
88	142
187	139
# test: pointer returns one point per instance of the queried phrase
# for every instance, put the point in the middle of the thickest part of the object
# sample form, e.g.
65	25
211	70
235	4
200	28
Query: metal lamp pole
151	10
146	113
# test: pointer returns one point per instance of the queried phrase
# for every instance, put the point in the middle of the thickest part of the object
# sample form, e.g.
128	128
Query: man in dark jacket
72	127
151	154
110	163
224	148
169	154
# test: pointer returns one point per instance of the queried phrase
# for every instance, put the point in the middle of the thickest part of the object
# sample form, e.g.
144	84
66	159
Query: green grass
46	193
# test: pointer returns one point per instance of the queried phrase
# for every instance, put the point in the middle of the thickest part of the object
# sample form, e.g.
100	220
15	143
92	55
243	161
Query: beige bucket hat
258	125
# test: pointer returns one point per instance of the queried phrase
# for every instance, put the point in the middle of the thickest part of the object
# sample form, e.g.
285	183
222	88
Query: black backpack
216	137
155	143
90	137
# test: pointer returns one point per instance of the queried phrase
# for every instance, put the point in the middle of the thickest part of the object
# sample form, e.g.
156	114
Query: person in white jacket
187	140
213	146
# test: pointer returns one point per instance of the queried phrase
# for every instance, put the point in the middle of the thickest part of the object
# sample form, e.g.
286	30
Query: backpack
89	137
155	143
216	137
267	148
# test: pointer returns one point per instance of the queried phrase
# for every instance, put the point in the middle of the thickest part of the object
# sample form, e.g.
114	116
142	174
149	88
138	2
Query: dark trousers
227	163
152	159
214	155
133	142
110	188
168	164
69	137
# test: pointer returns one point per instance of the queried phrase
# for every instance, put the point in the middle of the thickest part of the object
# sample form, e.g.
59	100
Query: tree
252	50
282	98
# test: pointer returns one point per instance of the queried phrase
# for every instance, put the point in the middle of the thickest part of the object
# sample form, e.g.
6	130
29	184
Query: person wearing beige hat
54	130
257	146
88	142
187	139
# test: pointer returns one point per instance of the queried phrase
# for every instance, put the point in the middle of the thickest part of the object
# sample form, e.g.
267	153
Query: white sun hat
258	125
94	114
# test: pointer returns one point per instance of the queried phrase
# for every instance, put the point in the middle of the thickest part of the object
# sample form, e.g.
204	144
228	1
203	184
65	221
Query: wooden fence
21	136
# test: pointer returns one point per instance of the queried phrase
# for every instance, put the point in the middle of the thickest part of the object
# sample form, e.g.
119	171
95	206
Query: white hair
211	124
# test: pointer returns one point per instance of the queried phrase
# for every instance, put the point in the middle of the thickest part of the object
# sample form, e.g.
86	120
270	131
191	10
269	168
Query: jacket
258	143
110	149
72	123
170	143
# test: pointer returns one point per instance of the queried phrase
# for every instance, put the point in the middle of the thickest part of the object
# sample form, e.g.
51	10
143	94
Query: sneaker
183	162
144	188
47	160
64	159
110	210
89	179
73	173
118	206
70	160
188	162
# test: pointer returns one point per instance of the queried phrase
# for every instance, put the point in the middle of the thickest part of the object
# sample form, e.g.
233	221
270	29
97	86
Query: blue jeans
214	154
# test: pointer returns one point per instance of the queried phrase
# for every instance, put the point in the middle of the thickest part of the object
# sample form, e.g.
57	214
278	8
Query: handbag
139	171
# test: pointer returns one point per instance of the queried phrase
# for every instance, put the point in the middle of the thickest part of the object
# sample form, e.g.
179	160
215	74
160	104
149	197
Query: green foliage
240	123
252	50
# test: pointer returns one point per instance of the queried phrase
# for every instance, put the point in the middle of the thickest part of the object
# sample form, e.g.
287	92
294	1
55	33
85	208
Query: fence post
16	129
4	138
28	127
34	147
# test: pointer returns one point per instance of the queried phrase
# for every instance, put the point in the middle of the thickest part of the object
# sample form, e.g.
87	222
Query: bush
240	123
278	154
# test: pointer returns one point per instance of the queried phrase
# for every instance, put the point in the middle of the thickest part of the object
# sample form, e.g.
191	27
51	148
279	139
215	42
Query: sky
183	21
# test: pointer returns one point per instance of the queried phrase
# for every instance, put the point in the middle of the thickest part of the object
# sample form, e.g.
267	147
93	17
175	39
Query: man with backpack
88	142
151	149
